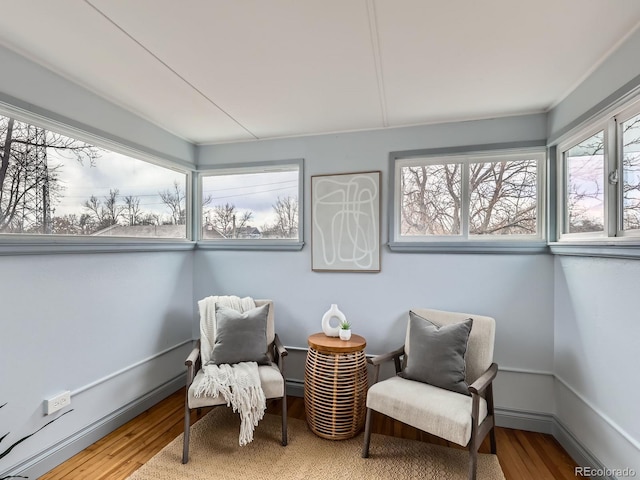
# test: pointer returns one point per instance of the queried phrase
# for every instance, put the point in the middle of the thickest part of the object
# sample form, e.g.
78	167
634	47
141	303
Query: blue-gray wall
516	289
596	312
112	328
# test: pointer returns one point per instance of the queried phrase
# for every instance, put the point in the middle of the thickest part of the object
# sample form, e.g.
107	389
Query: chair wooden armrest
481	384
193	356
385	357
192	363
378	360
282	352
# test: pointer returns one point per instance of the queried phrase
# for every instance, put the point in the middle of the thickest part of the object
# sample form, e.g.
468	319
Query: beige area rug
215	454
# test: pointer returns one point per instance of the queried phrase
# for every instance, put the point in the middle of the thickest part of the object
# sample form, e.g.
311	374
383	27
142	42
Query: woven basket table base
335	393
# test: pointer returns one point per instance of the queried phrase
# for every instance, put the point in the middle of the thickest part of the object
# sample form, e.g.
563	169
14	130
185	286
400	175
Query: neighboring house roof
249	231
209	232
148	231
156	231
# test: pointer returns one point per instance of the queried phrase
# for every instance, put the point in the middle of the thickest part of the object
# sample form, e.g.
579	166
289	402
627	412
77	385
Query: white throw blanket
238	384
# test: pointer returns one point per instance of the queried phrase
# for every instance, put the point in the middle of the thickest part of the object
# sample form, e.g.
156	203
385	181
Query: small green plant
345	325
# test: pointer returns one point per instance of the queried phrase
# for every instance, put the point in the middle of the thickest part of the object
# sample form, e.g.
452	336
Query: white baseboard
523	420
576	450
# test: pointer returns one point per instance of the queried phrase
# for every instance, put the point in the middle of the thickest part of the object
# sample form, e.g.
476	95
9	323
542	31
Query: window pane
503	198
257	205
430	199
53	184
631	174
585	186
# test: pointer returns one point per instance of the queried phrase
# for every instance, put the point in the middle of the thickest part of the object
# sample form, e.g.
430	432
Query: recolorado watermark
604	472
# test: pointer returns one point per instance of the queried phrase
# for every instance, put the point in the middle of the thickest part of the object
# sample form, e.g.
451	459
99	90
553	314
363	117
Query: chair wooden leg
473	463
187	431
367	435
492	440
284	420
491	413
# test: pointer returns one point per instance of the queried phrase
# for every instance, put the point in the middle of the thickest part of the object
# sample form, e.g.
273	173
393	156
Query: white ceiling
215	71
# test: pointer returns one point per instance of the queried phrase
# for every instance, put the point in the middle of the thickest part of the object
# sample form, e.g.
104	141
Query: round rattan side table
335	386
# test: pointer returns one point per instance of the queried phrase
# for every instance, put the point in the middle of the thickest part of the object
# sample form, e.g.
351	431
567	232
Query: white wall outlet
56	403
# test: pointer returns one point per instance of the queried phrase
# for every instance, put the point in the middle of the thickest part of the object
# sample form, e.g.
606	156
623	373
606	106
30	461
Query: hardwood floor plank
522	455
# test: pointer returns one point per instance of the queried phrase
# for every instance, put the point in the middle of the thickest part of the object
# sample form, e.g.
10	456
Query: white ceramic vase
345	334
327	328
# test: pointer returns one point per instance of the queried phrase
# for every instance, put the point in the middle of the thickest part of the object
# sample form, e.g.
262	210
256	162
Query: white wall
516	289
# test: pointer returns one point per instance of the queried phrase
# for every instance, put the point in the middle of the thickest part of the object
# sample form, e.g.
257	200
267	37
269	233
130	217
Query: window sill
69	245
603	249
470	247
273	245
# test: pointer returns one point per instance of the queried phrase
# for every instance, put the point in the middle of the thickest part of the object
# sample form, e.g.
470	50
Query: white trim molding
600	413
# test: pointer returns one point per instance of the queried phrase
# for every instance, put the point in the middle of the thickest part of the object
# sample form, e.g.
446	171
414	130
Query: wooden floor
522	455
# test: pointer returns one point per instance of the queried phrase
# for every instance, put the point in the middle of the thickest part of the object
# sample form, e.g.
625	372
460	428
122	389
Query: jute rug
215	454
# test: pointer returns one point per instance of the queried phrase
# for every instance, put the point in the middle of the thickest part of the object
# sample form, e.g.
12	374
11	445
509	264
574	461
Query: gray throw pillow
240	337
436	353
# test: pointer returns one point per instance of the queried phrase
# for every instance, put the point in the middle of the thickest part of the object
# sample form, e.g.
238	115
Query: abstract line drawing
345	217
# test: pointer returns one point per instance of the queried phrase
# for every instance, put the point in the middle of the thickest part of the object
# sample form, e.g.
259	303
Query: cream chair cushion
435	410
271	381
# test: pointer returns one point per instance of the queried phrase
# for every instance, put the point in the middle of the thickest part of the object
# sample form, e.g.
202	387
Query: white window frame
562	212
245	243
464	242
611	125
29	244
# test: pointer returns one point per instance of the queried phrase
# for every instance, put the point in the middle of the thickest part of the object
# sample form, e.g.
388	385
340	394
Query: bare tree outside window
431	199
175	200
285	211
29	181
54	184
502	197
105	212
228	220
631	174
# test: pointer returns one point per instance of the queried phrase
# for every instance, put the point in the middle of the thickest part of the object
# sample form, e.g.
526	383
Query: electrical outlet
56	403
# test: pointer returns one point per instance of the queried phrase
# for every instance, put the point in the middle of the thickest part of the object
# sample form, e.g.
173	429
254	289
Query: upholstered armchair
271	375
444	380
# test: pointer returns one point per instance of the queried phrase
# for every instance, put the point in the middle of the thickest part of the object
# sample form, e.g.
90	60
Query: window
52	184
584	173
629	132
252	206
489	196
599	186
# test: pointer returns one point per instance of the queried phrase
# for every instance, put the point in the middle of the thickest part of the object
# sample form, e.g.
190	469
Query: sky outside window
254	205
